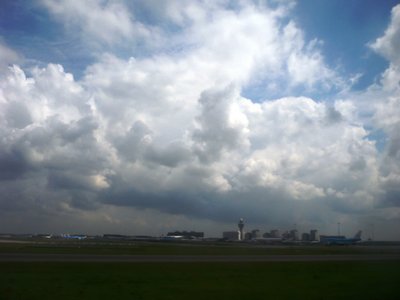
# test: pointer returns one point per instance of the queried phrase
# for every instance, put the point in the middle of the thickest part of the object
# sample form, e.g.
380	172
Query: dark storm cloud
170	156
390	169
393	147
273	207
14	161
69	181
132	145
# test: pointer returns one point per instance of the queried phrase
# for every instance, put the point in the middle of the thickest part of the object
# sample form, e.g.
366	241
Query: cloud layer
170	133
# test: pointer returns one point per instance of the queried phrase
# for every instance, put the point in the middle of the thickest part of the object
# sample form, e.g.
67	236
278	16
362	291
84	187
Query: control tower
241	226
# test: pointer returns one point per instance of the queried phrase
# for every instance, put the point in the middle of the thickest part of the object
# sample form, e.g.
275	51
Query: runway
13	257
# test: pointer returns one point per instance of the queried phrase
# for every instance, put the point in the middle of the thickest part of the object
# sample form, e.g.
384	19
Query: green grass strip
276	280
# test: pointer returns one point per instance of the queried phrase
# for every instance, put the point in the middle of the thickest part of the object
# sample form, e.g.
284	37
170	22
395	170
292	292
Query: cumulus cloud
7	56
292	148
387	113
107	22
170	134
389	43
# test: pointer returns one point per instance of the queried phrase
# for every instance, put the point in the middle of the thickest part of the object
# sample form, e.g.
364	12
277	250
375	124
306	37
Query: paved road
12	257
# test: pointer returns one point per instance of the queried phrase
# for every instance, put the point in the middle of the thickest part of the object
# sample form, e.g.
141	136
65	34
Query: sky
142	117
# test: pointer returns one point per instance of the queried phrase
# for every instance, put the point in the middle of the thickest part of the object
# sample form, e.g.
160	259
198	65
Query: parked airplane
172	237
341	240
74	237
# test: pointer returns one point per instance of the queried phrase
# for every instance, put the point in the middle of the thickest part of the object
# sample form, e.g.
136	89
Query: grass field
277	280
168	248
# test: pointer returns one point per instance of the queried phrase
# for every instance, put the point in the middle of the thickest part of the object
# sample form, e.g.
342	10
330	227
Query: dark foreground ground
206	280
37	257
141	270
104	247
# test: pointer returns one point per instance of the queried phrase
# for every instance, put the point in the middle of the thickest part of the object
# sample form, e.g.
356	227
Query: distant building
286	235
305	237
275	233
241	232
255	234
291	235
266	235
231	235
314	235
295	234
248	236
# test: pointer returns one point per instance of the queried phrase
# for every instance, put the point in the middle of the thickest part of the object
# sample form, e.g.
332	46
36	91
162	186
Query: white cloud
389	44
7	56
172	132
295	147
107	22
380	103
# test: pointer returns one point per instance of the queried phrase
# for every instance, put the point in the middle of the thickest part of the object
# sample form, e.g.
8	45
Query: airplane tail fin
358	235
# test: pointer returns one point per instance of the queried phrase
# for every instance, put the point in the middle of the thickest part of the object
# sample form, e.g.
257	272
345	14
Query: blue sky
197	113
345	29
29	29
